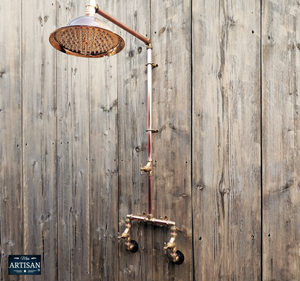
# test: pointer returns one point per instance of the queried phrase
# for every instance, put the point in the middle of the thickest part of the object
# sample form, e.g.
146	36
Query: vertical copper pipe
150	195
149	133
149	71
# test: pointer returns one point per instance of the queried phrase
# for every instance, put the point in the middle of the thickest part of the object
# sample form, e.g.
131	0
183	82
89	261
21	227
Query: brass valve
126	234
175	254
171	244
131	245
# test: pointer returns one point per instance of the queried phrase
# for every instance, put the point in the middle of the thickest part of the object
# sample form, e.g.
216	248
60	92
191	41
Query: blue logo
24	265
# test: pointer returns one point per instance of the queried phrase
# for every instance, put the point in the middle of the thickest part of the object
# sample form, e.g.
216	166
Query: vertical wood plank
73	157
80	114
132	125
104	163
226	140
11	205
171	38
39	136
80	167
281	217
64	153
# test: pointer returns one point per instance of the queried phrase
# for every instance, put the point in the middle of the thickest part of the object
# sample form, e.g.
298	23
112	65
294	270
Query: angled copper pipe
122	25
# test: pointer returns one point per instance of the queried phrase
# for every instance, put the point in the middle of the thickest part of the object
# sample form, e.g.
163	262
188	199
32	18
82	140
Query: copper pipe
150	195
122	25
137	218
149	219
149	74
163	222
149	133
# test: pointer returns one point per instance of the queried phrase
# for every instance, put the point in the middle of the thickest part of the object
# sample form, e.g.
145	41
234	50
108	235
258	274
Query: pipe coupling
90	8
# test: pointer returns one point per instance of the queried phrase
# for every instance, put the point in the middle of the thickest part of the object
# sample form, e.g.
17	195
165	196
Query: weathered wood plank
132	123
39	136
226	140
73	157
80	164
64	153
11	205
104	163
281	216
171	37
80	107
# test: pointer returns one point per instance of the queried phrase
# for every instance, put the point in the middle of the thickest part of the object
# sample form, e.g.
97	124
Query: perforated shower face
87	37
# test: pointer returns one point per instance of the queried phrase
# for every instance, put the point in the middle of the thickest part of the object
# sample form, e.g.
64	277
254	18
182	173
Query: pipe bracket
154	65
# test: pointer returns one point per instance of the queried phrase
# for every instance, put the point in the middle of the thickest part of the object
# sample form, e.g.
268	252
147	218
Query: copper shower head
87	37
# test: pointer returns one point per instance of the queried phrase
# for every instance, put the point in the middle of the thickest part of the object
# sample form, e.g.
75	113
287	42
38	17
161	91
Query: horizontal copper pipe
123	26
152	220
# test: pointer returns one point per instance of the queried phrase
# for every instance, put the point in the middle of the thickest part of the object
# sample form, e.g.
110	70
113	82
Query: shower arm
123	26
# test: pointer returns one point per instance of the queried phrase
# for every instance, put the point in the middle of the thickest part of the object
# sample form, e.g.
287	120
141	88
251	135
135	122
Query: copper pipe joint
90	8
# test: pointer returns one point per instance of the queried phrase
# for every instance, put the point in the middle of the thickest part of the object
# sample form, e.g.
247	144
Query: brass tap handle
170	246
124	235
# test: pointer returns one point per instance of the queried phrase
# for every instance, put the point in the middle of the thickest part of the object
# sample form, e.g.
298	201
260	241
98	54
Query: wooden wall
72	140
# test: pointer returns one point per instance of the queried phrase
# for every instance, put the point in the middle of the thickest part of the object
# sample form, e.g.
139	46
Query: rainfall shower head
87	37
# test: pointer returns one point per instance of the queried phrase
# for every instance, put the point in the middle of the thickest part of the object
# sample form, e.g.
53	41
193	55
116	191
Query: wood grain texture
11	205
64	153
80	168
132	125
73	157
72	140
226	140
280	84
171	37
104	163
39	137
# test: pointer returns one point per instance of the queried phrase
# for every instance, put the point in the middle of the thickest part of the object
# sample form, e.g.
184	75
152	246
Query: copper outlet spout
148	167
